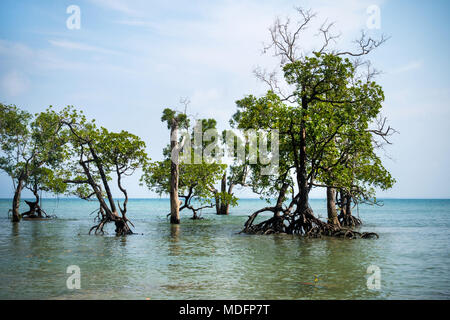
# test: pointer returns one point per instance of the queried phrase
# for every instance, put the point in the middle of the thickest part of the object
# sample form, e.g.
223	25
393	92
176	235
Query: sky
131	59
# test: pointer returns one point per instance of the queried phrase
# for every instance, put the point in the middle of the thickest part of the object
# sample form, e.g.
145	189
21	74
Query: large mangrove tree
322	107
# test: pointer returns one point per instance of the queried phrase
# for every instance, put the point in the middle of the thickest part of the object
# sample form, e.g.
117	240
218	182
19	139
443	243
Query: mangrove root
305	224
121	223
35	212
196	217
347	220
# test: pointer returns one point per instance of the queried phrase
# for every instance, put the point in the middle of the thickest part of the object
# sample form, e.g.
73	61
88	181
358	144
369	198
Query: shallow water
207	259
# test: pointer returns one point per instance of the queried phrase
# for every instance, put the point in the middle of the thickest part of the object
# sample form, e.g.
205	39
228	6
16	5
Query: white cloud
34	60
15	49
413	65
136	23
14	83
116	5
203	97
80	46
210	103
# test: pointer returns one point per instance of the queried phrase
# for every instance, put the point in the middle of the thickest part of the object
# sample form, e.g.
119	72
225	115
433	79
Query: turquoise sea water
207	259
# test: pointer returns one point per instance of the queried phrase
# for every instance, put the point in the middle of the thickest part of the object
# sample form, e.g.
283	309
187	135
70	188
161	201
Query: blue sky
131	59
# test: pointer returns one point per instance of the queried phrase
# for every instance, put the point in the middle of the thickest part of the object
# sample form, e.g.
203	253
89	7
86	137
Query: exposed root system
121	223
347	220
35	212
196	217
305	224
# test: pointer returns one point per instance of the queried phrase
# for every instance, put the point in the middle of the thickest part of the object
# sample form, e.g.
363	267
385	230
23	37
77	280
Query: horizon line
161	198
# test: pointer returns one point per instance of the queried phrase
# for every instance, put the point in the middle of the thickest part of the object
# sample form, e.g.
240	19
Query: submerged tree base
122	228
36	218
196	218
121	223
35	213
300	223
347	220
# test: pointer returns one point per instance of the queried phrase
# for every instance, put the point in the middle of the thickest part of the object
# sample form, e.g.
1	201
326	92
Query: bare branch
284	37
383	131
365	45
327	36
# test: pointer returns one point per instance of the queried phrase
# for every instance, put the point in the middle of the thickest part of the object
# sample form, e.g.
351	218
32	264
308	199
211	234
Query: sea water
209	259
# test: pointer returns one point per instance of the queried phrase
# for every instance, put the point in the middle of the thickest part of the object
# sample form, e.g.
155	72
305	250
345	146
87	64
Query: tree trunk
105	181
16	201
223	189
331	206
217	198
107	214
345	217
223	206
35	210
302	172
174	175
97	190
342	204
348	205
281	199
38	209
230	192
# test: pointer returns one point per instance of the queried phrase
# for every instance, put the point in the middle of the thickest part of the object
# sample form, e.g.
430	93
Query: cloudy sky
130	59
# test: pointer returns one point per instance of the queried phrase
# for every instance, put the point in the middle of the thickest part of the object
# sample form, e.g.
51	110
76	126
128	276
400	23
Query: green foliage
334	106
196	180
268	112
14	139
170	115
47	180
225	197
238	149
122	151
32	149
96	151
